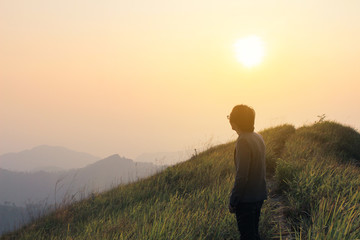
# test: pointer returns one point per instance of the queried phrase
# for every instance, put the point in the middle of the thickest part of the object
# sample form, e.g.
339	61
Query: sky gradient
129	77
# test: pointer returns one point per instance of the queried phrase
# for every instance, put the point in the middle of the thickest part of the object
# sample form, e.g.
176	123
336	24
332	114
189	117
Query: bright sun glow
249	51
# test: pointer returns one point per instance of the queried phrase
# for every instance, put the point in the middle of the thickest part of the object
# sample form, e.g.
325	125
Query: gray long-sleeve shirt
250	180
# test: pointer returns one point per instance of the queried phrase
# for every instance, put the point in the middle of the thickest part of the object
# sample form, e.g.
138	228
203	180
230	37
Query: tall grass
320	179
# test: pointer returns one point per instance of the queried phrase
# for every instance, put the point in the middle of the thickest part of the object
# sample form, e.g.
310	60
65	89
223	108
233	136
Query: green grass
320	177
313	168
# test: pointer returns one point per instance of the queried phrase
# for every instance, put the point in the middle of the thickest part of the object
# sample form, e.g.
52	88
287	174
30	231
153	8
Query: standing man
249	191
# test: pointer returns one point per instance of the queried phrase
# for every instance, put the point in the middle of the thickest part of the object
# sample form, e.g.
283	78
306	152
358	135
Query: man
249	191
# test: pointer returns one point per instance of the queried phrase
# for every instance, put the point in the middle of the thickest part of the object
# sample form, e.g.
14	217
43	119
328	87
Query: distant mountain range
19	187
45	158
43	188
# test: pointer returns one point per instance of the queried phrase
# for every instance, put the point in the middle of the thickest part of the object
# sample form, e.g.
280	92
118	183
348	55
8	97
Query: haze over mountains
25	186
19	187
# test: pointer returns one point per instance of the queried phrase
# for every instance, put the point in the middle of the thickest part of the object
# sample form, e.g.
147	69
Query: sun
250	51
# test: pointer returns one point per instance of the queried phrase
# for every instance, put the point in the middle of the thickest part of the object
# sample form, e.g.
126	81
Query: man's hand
231	209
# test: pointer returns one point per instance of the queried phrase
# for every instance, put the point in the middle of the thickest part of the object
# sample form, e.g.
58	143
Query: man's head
243	118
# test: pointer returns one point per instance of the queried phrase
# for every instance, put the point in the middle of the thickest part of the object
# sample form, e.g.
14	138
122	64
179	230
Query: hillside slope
313	169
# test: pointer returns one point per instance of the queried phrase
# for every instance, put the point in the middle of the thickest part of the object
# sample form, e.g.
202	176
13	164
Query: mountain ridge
23	189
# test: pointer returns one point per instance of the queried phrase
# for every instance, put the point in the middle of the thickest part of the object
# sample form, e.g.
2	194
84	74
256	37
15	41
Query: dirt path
278	208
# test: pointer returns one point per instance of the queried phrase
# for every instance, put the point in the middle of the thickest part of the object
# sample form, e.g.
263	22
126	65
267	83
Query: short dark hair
244	117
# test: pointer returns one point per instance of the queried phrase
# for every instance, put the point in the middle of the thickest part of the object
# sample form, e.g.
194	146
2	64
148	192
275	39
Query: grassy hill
314	193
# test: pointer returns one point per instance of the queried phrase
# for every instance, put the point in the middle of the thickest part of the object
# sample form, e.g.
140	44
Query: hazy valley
25	195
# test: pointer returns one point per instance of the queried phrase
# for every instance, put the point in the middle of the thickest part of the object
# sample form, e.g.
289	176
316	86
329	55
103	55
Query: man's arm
242	158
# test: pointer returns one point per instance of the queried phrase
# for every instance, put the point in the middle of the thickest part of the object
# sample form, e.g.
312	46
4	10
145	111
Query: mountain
22	187
111	171
43	189
46	158
312	178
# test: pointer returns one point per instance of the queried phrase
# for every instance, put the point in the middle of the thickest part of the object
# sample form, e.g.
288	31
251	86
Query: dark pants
247	217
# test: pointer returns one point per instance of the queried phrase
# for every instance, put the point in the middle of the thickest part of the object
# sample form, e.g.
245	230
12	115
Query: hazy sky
137	76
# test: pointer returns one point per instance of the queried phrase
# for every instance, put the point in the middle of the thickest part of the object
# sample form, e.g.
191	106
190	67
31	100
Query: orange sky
129	77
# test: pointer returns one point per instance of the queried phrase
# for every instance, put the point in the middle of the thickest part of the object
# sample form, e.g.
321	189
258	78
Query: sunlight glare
249	51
